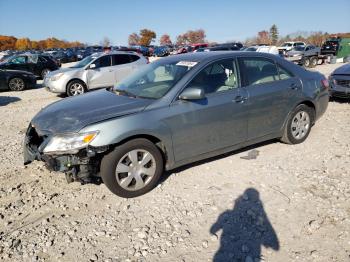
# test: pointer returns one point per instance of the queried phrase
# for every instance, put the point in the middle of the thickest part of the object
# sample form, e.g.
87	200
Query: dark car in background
16	80
330	47
175	111
39	65
161	51
340	82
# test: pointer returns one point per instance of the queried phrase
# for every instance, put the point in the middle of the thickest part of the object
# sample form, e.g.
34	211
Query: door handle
240	99
294	86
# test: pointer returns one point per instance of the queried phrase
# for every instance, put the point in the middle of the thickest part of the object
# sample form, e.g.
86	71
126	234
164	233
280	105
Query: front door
102	75
215	122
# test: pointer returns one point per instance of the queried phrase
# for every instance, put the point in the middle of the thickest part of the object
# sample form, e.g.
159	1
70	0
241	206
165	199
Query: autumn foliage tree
12	43
165	40
134	39
147	36
191	37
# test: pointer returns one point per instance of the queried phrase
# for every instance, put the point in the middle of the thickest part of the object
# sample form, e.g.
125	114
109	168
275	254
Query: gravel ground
273	201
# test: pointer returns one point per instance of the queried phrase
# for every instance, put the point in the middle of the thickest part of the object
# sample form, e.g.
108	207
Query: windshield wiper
127	93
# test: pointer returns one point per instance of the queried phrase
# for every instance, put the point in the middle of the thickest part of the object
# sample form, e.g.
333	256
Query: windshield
287	44
299	48
154	80
84	62
250	49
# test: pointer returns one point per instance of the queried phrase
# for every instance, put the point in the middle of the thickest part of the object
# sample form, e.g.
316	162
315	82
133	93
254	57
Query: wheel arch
154	139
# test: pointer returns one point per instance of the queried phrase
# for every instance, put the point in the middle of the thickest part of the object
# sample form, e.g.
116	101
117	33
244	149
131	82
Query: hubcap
135	169
45	72
76	89
16	84
300	125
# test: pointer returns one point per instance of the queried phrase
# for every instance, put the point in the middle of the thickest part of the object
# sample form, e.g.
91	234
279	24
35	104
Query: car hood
74	113
343	70
64	70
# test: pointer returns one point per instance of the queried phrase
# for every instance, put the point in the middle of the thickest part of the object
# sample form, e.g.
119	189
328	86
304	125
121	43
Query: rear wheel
16	84
299	125
75	88
133	168
313	61
44	72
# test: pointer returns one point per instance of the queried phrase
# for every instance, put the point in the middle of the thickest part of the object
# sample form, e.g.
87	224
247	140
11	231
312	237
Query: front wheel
75	88
133	168
299	125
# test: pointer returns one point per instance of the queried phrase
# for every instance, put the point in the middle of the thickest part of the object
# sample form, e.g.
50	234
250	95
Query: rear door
102	75
272	92
19	63
122	66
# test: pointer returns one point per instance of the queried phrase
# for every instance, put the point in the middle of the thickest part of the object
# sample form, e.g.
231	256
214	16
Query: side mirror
192	93
92	66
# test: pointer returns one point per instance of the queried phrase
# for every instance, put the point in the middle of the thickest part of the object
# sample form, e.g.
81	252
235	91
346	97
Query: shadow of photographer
245	229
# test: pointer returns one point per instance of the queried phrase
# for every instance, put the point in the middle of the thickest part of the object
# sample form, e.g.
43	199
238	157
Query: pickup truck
287	46
304	55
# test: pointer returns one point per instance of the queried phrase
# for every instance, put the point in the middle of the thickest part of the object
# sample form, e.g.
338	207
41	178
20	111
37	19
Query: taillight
325	83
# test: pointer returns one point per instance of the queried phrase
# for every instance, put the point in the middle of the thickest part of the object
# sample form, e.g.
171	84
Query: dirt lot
273	201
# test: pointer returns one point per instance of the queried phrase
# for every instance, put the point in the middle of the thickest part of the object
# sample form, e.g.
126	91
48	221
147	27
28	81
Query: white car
270	49
287	46
96	71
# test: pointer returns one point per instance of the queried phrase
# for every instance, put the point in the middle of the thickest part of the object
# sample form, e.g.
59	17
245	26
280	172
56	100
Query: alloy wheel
16	84
135	169
300	125
76	89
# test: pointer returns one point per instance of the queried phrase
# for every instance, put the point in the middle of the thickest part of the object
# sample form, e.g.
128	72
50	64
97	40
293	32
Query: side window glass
257	70
284	74
18	60
103	61
217	77
121	59
134	58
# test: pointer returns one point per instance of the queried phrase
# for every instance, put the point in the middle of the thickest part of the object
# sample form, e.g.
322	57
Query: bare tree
134	39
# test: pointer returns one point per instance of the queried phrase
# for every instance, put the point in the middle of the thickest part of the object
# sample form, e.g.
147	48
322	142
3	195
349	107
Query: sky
89	21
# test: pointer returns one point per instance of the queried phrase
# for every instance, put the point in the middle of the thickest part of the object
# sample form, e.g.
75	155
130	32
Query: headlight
69	143
56	77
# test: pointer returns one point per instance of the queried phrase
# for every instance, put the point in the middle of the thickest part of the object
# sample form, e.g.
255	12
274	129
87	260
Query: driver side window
217	77
103	61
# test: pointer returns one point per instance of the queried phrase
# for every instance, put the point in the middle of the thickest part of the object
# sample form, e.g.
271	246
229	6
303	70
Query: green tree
274	34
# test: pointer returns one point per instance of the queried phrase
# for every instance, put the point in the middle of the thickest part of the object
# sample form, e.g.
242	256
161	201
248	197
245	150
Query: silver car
175	111
95	71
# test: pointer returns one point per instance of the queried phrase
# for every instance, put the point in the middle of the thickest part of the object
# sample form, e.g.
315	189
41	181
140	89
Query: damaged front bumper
82	167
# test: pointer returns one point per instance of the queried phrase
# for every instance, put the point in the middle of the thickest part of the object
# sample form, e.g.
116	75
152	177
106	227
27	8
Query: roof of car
203	56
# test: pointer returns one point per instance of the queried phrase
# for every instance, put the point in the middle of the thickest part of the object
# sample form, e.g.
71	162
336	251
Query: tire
299	122
313	61
44	72
75	87
130	174
16	84
306	62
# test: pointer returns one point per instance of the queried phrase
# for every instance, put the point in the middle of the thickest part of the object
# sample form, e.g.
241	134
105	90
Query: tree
263	38
147	36
181	39
165	40
134	39
196	36
274	34
7	42
23	44
106	42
